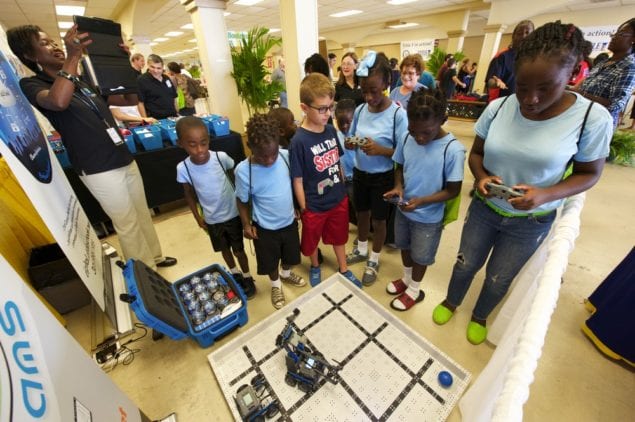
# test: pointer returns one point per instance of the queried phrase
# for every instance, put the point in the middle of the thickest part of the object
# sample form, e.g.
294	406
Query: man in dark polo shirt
157	93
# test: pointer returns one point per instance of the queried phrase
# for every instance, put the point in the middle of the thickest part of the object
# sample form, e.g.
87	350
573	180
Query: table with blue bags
156	153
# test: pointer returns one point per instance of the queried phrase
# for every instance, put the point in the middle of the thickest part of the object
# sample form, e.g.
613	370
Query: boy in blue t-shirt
206	182
265	205
318	177
429	172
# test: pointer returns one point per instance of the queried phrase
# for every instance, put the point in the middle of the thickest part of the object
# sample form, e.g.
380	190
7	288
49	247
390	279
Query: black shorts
227	234
369	190
274	246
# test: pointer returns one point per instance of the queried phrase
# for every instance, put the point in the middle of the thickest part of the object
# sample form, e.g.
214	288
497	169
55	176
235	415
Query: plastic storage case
217	125
168	130
129	139
148	136
160	304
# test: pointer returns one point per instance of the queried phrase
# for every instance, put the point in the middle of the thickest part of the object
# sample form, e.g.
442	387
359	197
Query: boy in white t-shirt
207	181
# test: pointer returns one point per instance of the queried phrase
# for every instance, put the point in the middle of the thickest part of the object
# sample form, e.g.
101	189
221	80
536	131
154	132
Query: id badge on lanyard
85	96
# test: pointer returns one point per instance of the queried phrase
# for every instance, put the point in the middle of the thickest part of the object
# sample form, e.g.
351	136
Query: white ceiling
171	15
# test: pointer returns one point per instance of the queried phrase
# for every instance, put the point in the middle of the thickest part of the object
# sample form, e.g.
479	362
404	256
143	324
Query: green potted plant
436	59
622	147
250	72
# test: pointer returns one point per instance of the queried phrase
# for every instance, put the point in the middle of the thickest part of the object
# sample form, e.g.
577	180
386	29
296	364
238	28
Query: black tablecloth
158	170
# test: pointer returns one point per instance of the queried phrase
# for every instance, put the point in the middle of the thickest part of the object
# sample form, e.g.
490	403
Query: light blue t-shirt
380	127
348	158
402	99
423	171
212	187
271	192
536	153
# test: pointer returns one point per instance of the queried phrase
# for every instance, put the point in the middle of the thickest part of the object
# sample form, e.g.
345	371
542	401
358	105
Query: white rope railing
500	392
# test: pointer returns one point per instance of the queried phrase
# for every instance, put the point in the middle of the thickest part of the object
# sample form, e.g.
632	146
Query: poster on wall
44	374
27	152
423	47
600	36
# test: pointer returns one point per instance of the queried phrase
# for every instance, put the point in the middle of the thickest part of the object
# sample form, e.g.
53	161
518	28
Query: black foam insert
158	297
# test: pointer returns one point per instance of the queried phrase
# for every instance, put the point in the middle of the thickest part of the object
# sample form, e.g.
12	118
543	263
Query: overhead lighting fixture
247	2
160	39
400	25
62	34
227	13
272	30
69	10
65	25
346	13
188	26
398	2
173	33
152	44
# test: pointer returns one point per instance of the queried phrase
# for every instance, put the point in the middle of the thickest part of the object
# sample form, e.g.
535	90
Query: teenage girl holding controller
526	141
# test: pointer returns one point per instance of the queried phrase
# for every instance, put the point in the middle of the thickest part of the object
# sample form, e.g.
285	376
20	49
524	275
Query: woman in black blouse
347	85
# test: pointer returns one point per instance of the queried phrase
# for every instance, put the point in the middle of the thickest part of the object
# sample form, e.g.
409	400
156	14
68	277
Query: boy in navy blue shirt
318	177
265	204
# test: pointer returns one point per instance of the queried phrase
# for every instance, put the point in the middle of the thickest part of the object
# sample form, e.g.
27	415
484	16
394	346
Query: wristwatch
65	74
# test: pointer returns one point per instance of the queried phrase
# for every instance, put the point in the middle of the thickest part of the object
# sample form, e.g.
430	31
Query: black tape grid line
284	416
395	359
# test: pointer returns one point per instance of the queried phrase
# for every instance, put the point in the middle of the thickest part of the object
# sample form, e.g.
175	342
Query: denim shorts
422	239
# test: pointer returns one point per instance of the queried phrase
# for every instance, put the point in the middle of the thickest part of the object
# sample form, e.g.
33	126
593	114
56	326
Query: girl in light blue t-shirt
526	141
429	172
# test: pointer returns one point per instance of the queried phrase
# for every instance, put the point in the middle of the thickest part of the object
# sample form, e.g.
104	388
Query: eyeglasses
323	109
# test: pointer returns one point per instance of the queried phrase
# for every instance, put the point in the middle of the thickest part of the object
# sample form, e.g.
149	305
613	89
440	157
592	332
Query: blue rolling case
204	305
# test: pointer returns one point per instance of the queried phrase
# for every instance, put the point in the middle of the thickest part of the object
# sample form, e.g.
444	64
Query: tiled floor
573	381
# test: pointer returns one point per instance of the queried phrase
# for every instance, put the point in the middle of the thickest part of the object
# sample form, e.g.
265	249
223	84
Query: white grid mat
389	372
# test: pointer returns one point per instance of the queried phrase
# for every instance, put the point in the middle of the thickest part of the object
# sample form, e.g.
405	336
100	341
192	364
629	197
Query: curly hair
564	42
427	104
413	60
346	105
317	64
262	130
21	40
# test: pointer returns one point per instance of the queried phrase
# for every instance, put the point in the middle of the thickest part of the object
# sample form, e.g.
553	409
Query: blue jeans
511	240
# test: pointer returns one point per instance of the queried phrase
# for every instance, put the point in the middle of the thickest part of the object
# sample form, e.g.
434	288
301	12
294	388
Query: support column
299	23
491	42
455	40
216	61
141	45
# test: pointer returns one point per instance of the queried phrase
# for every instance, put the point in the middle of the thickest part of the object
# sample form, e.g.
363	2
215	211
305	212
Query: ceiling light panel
65	25
173	33
69	10
398	2
346	13
247	2
188	26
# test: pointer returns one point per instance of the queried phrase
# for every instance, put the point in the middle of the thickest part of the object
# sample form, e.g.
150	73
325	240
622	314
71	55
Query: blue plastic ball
445	379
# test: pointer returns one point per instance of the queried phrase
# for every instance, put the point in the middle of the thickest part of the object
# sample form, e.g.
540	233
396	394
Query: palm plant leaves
250	72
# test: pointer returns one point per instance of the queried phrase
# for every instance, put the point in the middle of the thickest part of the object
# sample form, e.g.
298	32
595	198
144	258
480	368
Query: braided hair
262	130
427	104
564	42
21	40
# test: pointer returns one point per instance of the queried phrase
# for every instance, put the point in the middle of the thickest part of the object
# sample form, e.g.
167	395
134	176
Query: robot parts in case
251	401
355	141
305	366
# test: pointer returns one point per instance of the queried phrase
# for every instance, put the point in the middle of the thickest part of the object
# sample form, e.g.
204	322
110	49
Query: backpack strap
227	175
445	152
356	118
499	108
577	144
189	175
394	127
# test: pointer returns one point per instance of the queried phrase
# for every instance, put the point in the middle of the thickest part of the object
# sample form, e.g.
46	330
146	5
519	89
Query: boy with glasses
318	178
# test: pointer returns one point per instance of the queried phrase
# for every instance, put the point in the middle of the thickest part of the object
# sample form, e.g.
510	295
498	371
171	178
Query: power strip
107	352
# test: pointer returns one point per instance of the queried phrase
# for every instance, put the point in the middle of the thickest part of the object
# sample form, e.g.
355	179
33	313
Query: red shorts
331	226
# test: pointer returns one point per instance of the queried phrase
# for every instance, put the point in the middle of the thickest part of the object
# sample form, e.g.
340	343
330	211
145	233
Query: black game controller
396	200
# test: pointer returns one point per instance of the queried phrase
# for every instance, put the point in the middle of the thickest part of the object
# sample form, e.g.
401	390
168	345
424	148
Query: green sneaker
476	333
441	314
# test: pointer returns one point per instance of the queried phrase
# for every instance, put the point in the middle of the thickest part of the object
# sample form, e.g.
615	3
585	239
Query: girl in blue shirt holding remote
526	141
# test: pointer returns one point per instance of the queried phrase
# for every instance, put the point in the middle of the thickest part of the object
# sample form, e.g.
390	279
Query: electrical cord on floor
124	354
